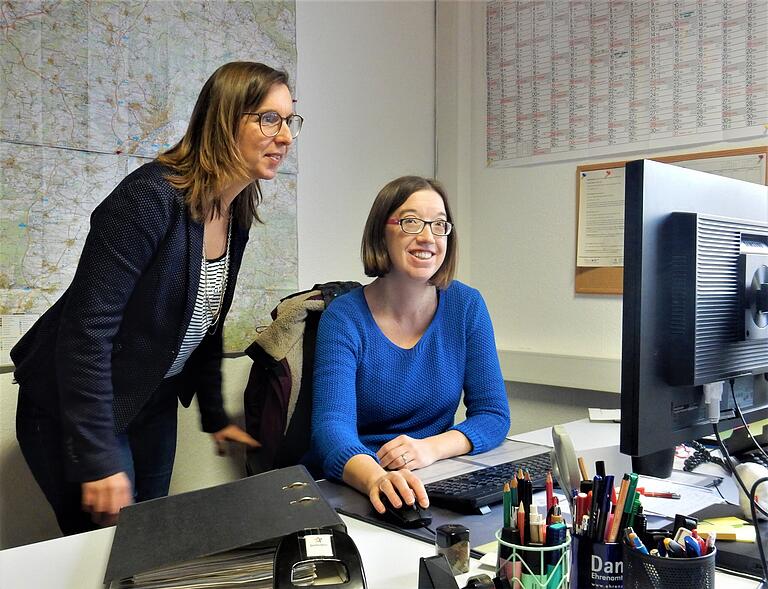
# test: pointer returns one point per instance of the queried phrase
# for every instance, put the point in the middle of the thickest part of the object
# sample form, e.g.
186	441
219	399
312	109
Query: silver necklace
215	313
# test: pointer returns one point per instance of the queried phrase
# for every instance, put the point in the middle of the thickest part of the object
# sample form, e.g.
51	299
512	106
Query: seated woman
393	357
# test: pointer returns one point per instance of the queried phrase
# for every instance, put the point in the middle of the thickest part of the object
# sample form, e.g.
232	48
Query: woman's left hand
406	452
232	433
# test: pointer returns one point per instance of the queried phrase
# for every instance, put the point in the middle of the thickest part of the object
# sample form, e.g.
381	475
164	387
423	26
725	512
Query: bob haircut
207	157
373	251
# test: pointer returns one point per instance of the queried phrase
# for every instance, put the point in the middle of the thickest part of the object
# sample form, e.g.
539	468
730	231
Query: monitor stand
658	464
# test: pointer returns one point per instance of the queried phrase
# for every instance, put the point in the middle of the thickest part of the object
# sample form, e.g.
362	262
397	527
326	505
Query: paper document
612	415
692	498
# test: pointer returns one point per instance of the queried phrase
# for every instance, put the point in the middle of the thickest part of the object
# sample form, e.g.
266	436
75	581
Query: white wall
523	224
366	90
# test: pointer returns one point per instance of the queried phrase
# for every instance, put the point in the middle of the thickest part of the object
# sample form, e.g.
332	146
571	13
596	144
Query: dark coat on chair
97	355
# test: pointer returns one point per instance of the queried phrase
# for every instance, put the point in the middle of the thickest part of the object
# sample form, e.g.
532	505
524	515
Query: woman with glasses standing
141	324
393	357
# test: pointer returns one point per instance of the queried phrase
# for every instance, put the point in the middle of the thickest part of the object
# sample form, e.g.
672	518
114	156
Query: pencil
619	510
583	469
513	490
507	499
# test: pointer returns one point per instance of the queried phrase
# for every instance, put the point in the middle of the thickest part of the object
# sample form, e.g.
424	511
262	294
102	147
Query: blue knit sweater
367	390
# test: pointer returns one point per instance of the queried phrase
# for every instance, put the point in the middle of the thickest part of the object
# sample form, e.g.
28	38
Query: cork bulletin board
604	273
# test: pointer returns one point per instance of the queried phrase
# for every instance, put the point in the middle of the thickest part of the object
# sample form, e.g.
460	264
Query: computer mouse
407	516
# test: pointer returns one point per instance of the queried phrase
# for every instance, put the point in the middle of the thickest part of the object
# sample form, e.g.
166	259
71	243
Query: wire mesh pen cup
642	571
544	567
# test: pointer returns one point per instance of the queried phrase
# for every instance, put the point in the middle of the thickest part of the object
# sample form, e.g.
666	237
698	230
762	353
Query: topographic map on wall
89	91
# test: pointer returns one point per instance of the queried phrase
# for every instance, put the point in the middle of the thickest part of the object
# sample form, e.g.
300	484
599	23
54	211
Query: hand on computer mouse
399	487
406	516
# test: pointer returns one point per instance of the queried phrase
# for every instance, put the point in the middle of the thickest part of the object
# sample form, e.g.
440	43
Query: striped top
201	318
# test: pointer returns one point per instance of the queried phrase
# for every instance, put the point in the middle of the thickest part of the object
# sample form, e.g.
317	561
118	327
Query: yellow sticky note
728	528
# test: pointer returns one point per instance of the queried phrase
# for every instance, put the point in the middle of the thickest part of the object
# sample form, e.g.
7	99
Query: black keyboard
474	491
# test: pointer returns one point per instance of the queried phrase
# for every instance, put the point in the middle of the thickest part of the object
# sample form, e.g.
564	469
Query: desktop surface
79	562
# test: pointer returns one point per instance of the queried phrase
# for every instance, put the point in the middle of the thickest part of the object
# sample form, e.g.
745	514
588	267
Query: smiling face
417	256
263	155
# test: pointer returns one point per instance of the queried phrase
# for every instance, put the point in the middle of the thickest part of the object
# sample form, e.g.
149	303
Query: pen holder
596	565
642	571
534	567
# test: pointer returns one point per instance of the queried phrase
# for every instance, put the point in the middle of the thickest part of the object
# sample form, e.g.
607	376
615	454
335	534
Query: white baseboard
579	372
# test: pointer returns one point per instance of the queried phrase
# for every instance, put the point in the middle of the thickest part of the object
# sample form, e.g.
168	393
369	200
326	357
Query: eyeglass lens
271	122
414	225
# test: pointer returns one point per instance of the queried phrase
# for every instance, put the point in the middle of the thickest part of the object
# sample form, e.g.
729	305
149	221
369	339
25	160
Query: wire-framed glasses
414	225
270	122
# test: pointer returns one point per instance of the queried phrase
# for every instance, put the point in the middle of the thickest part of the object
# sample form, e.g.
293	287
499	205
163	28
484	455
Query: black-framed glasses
270	122
414	225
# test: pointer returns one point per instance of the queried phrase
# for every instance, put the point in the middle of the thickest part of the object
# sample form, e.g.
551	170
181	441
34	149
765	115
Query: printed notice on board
601	218
12	327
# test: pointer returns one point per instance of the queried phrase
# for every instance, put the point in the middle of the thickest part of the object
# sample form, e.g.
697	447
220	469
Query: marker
674	550
637	544
711	542
555	537
692	549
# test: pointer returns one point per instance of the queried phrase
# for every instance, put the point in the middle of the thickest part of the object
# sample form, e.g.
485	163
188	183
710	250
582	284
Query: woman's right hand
399	486
104	498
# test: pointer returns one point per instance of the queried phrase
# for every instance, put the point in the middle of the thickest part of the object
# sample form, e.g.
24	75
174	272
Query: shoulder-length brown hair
207	157
376	260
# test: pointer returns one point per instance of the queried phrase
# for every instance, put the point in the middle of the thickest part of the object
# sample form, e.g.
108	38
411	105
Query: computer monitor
695	309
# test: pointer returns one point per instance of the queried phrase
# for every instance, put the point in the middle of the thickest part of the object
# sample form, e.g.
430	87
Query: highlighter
637	544
535	579
555	537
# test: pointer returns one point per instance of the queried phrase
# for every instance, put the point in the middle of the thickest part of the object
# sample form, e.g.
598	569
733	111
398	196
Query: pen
659	494
600	468
605	508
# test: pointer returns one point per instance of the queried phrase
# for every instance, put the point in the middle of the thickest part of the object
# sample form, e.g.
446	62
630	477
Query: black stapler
318	557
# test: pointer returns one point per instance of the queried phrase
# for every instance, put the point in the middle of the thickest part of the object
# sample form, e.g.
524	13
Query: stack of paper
244	567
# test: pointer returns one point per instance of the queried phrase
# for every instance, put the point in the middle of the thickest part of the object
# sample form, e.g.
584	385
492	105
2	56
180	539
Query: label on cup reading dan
596	565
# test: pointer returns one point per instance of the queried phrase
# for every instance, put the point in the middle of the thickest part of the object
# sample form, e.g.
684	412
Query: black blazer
97	355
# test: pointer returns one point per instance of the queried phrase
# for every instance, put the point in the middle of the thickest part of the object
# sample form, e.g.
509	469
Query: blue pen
692	548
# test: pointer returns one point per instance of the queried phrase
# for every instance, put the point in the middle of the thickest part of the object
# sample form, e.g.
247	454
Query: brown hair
376	260
207	157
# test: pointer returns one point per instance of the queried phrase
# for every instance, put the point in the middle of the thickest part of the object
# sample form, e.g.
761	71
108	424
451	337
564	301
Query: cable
724	450
702	455
719	492
753	506
744	421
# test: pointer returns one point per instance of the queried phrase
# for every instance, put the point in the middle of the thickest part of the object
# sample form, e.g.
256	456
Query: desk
390	559
79	562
